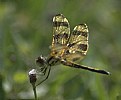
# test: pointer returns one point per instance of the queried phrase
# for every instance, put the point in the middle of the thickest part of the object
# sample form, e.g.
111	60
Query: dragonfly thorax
53	61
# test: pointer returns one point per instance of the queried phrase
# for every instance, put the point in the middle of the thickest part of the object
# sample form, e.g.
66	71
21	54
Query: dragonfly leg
46	76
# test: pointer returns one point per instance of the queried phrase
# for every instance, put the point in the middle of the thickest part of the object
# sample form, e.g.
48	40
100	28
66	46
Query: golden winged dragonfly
66	47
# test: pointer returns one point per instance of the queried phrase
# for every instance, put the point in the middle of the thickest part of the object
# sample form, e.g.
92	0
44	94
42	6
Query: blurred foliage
26	32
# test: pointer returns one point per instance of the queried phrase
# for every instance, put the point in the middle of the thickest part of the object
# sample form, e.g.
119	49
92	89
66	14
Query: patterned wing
78	43
61	33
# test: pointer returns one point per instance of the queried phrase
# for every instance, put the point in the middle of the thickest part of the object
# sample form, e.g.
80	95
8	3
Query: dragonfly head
41	61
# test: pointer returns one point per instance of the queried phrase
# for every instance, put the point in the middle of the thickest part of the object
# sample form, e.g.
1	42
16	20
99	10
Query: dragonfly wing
61	33
78	43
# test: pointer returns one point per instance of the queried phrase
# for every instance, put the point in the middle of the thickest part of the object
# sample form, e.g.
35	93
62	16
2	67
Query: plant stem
34	89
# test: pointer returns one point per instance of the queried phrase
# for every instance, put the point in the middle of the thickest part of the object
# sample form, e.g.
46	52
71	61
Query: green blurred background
26	33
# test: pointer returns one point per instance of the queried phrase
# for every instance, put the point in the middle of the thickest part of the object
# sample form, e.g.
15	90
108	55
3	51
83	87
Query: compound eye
40	61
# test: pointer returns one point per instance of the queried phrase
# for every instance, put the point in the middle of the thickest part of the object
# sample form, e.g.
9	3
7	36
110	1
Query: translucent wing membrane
61	33
78	43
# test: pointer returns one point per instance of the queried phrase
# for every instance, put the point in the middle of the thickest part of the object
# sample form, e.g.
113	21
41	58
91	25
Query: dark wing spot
83	47
71	44
58	24
84	34
75	32
60	36
65	35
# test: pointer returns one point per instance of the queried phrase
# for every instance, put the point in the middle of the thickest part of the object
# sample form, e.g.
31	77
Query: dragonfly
66	47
